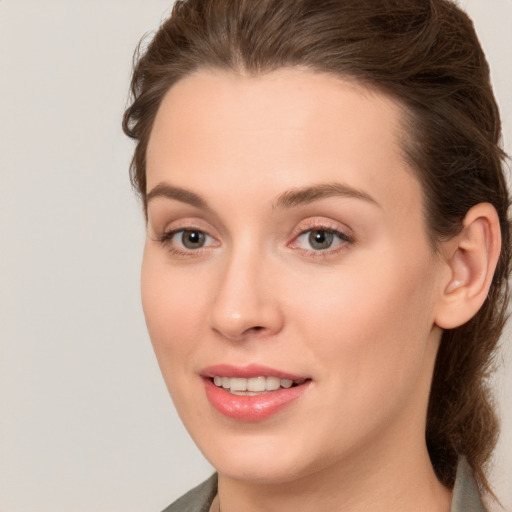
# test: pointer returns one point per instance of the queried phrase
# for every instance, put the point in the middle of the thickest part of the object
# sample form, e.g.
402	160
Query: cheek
172	310
175	320
369	323
367	333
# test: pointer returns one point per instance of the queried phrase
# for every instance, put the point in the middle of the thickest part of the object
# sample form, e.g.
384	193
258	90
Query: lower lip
255	407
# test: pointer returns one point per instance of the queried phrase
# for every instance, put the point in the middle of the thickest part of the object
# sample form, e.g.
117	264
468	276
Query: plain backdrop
85	420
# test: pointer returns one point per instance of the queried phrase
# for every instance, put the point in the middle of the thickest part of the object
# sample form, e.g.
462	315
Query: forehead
283	129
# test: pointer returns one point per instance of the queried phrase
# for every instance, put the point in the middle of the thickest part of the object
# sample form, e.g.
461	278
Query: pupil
192	239
320	239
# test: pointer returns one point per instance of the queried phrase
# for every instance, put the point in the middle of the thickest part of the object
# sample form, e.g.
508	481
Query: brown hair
424	53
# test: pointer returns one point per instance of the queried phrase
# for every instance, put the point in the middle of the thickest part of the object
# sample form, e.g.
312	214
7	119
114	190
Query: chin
258	458
266	472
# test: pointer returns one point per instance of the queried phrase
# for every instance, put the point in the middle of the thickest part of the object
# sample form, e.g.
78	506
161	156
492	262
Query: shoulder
465	492
198	499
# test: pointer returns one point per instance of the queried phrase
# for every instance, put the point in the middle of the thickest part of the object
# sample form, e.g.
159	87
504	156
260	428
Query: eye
191	239
185	240
321	239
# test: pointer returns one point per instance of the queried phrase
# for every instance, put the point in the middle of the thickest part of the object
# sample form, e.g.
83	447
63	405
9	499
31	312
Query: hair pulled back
426	55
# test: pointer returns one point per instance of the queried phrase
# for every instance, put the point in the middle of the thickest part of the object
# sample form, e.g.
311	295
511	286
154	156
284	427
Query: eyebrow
306	195
289	199
178	194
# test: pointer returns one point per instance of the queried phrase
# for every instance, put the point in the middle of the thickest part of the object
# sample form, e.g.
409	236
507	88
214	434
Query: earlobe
471	258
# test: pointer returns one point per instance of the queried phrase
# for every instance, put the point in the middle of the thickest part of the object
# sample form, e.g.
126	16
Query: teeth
256	384
239	385
272	383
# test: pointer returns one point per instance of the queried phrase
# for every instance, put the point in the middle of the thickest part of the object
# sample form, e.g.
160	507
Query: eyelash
165	238
345	239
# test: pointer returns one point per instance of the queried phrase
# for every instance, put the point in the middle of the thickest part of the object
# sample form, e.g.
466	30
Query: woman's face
286	242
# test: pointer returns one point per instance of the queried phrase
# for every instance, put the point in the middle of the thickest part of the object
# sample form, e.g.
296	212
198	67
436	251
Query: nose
246	303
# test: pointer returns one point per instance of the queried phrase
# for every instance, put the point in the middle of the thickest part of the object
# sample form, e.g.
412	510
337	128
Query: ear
471	258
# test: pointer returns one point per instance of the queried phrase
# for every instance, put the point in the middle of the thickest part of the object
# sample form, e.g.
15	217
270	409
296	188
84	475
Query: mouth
253	386
251	393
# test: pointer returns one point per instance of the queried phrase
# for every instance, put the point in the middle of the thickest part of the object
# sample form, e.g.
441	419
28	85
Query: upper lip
251	370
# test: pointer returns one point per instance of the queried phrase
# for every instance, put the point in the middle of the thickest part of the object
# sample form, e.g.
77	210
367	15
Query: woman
328	245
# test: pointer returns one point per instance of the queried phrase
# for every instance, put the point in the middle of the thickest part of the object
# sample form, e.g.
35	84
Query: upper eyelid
170	233
319	224
177	212
182	224
174	232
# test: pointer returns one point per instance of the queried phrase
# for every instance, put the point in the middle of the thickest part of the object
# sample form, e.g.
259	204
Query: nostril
256	329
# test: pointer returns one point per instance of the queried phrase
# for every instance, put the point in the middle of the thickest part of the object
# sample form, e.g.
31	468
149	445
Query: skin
358	318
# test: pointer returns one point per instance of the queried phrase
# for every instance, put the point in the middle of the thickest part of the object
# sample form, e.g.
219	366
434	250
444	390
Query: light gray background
85	420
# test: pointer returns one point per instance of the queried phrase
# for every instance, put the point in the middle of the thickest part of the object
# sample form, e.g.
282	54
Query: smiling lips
251	393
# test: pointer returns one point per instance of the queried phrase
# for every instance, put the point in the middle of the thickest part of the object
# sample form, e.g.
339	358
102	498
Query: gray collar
465	492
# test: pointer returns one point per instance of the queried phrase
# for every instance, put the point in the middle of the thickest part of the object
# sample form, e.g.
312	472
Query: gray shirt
465	494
